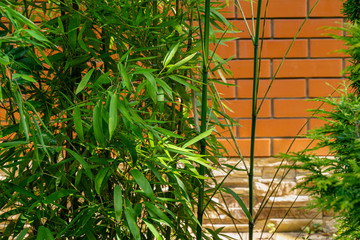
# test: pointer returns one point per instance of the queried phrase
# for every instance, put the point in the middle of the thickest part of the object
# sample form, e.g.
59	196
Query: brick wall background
310	64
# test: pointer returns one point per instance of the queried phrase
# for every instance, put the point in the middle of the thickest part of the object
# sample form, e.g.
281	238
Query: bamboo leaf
113	114
22	234
143	183
131	221
84	81
153	230
157	212
240	202
99	179
78	124
170	54
198	138
118	202
84	164
97	125
181	62
124	76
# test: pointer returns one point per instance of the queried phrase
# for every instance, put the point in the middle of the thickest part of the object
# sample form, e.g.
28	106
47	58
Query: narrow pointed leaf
181	62
78	124
131	221
113	114
198	138
153	230
118	202
124	76
143	183
80	159
84	81
170	54
240	202
99	179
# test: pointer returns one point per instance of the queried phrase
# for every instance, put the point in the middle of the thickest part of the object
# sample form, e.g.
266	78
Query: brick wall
310	64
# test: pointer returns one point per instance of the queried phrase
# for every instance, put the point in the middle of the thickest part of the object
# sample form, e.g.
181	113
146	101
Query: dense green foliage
101	131
351	10
334	179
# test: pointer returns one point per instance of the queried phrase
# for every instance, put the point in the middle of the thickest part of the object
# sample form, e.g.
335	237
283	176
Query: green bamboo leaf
170	54
143	183
22	234
183	82
118	202
84	164
23	119
113	114
240	202
58	194
36	34
98	126
44	234
165	86
124	76
157	212
153	230
84	81
151	86
124	111
131	221
198	138
181	62
78	124
99	179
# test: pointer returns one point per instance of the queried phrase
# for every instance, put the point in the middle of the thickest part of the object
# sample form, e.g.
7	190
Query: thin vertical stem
205	53
254	118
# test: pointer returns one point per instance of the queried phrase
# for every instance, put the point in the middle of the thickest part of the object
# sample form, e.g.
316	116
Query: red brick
243	108
243	68
321	88
276	8
274	49
308	68
326	48
295	107
273	127
279	88
287	28
326	8
282	146
226	91
226	50
262	147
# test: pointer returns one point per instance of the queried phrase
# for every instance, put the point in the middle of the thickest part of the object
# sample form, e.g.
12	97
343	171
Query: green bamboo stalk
205	53
254	118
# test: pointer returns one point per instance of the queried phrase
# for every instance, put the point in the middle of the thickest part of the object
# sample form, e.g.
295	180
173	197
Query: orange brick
326	8
279	88
316	123
276	8
243	108
308	68
225	50
287	28
273	127
282	146
274	49
321	88
243	68
262	147
244	34
295	107
226	91
326	48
